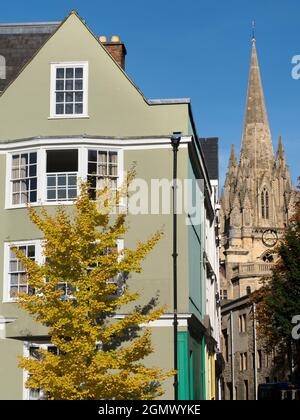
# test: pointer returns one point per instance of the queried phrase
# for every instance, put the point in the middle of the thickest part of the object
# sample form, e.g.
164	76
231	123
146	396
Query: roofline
235	303
171	101
29	24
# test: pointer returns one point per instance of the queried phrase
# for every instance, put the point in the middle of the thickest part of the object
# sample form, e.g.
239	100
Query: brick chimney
116	48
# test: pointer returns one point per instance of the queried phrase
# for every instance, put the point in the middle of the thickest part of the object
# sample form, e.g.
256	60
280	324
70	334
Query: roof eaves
174	101
28	28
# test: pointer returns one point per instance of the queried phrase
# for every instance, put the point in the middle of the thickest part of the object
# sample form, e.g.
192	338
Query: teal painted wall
196	247
183	366
190	368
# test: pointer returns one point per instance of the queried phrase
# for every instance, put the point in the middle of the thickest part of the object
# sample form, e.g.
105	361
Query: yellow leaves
75	244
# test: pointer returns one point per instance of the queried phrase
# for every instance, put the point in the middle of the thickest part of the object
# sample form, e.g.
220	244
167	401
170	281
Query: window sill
41	204
68	117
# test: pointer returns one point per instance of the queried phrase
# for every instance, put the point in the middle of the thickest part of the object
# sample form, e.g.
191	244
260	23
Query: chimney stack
116	49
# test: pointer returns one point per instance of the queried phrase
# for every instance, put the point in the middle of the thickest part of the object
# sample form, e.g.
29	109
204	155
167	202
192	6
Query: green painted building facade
71	108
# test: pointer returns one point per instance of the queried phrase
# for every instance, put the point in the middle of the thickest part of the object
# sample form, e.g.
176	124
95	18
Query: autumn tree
77	293
278	300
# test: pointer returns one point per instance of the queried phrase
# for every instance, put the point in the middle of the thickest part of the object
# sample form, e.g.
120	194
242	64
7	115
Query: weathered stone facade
255	208
257	198
245	367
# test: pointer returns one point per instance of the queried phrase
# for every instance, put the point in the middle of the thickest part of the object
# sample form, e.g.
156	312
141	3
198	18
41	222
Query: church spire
257	146
280	150
232	160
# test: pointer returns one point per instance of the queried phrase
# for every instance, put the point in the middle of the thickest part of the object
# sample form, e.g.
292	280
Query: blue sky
199	49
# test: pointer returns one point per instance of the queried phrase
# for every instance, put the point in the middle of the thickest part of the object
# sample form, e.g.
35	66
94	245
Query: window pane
103	157
60	73
72	193
23	289
51	195
61	194
33	158
13	266
69	97
93	155
92	181
16	161
13	291
51	181
24	159
69	84
102	170
69	73
15	173
61	180
33	197
69	108
72	180
60	97
16	186
32	170
78	109
24	198
59	109
33	184
14	279
92	169
78	85
79	72
59	85
79	97
31	251
16	199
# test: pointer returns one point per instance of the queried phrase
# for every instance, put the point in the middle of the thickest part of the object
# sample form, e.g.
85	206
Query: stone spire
257	146
232	160
280	155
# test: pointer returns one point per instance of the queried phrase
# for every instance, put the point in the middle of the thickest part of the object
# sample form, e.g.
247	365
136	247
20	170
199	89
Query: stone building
257	198
256	205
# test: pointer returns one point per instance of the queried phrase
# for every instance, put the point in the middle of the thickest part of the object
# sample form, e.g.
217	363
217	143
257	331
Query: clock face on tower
270	238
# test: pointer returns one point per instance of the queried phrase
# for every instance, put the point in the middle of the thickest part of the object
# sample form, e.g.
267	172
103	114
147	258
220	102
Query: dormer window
69	90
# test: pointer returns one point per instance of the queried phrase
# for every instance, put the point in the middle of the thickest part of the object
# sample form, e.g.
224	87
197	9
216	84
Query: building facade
256	205
68	111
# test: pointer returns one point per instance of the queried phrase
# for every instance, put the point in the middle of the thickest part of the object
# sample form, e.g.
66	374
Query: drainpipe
232	355
255	350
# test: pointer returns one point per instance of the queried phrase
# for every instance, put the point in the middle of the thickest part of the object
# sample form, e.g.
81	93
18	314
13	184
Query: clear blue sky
199	49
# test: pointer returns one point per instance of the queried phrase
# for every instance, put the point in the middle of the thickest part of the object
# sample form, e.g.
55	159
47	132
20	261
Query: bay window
61	173
24	178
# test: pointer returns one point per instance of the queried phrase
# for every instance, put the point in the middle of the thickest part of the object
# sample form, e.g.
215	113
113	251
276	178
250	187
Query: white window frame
9	180
7	245
42	174
68	64
42	345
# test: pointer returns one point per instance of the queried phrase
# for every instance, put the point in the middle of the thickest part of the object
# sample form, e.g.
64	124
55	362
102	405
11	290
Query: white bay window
51	175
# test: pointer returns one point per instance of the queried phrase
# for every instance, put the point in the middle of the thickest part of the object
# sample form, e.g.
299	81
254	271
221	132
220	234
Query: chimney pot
102	39
115	38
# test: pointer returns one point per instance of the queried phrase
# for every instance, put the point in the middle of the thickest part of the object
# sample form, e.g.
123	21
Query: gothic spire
232	160
257	144
280	155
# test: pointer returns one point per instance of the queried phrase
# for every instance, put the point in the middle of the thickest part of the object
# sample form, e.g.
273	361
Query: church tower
257	199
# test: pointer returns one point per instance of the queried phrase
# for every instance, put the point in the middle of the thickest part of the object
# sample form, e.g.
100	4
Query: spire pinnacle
232	160
253	30
280	150
257	144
